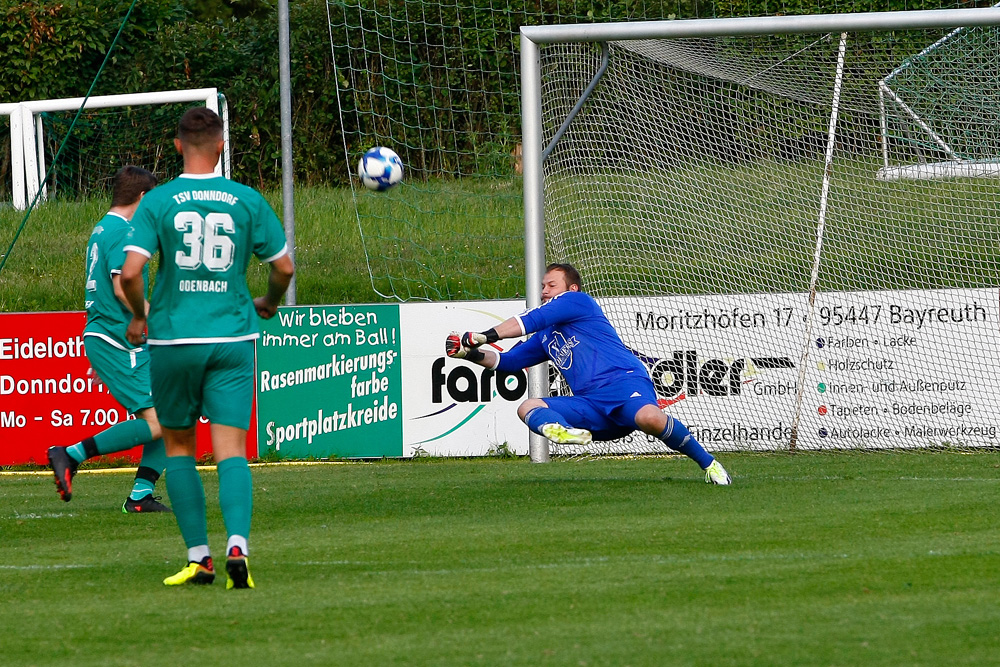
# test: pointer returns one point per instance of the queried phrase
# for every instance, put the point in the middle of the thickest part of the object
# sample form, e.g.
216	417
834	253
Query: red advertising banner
47	396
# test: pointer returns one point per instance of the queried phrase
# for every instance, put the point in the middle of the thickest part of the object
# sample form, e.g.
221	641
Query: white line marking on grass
107	471
331	562
853	478
47	515
444	572
44	567
949	479
597	561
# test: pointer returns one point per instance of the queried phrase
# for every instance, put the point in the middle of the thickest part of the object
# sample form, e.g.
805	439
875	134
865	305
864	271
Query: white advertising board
726	366
452	407
903	369
880	369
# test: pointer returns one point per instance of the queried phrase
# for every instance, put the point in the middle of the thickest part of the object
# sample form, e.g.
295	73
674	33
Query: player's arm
522	355
116	280
282	270
509	328
570	306
132	286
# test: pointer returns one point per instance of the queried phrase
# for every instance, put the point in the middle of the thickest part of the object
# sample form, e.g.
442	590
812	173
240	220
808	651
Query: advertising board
373	381
882	369
48	394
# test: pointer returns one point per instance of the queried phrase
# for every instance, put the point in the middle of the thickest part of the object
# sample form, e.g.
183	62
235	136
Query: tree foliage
54	48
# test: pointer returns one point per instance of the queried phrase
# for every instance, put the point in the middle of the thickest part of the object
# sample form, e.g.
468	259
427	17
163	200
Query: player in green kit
122	367
201	329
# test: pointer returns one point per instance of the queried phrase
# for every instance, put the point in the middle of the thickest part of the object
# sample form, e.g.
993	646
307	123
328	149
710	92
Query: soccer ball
380	168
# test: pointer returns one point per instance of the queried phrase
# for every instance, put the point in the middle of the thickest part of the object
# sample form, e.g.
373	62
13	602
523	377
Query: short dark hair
569	272
130	182
199	125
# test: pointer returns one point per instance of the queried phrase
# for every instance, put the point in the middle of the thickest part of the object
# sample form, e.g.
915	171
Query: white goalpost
792	221
29	153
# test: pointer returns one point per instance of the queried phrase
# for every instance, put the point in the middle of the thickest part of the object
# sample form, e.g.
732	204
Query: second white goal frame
26	139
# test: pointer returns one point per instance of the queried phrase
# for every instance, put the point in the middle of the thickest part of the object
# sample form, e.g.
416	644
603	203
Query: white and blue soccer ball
380	168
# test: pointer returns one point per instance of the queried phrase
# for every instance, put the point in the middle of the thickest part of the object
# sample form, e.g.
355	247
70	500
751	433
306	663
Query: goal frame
26	134
533	152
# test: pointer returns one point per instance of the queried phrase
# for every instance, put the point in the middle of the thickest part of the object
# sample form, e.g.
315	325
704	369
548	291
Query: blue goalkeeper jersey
572	331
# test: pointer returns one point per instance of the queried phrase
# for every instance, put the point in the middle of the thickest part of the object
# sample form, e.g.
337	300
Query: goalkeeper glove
470	339
454	348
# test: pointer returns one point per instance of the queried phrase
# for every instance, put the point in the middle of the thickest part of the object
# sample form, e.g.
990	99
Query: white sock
196	554
237	541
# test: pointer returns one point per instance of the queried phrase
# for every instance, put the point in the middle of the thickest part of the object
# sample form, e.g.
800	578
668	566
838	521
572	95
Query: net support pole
883	88
287	181
883	122
534	214
227	160
831	143
605	59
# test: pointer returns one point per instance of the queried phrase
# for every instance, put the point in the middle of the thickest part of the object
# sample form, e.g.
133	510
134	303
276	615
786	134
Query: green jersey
107	316
205	228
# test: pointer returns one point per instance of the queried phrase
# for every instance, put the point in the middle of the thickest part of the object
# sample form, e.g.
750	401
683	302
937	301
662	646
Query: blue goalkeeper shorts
609	413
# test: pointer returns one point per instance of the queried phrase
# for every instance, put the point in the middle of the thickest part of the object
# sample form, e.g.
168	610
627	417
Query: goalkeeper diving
612	392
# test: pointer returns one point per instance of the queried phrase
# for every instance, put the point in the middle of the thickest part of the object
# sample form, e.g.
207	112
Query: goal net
437	82
724	199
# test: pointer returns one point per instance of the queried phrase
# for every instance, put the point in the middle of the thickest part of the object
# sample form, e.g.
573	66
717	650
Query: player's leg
674	434
176	373
235	501
548	422
227	403
187	495
126	374
151	467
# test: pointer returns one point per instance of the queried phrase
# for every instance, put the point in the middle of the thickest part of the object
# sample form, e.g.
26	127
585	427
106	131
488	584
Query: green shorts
214	380
124	372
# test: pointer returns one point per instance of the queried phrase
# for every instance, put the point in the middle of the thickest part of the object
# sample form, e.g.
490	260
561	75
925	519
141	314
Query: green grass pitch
817	559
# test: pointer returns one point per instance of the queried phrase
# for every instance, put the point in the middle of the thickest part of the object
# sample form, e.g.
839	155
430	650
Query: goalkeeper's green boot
716	474
193	573
562	435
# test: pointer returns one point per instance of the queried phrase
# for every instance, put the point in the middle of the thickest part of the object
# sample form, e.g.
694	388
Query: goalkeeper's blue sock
540	416
677	437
